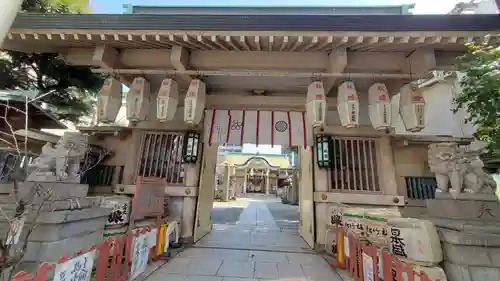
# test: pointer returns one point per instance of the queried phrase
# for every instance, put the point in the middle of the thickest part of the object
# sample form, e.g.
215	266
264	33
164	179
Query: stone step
63	216
59	190
53	226
9	203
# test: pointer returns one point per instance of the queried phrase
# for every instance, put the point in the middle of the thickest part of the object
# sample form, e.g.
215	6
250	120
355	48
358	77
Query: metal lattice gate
161	157
354	165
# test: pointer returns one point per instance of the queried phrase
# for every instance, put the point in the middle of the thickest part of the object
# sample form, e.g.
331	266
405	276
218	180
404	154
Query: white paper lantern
348	104
167	100
194	103
316	106
412	108
138	100
109	100
379	107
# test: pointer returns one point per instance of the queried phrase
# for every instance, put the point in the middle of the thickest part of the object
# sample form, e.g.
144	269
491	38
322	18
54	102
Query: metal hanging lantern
190	148
324	147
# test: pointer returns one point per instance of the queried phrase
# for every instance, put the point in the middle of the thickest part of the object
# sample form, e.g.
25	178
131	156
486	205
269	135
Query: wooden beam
337	61
249	102
179	57
421	62
108	57
446	60
395	62
105	56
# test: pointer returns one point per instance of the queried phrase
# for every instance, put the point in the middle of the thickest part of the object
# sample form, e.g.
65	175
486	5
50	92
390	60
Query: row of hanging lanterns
411	109
411	106
139	100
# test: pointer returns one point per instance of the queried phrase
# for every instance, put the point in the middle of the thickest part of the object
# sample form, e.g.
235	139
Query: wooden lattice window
161	156
354	165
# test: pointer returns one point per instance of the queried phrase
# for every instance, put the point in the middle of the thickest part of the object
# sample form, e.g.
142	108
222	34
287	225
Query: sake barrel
415	240
377	227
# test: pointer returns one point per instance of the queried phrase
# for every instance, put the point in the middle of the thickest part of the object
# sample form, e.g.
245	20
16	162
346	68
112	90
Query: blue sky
422	6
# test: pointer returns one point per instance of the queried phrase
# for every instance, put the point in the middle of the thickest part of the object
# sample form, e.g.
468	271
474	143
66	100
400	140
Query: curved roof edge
256	158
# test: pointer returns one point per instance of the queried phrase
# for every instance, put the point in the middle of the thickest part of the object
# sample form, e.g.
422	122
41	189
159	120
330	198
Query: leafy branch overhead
75	86
480	95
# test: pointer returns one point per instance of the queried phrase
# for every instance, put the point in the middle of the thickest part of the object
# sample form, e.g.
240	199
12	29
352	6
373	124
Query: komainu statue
62	162
459	168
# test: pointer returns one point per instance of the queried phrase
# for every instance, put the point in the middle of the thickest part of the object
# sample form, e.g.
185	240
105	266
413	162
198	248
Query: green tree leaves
480	95
75	86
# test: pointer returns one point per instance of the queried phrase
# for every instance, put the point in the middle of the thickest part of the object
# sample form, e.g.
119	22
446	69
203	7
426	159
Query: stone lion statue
459	168
59	163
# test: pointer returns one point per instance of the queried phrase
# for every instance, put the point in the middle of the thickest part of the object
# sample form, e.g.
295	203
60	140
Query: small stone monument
466	212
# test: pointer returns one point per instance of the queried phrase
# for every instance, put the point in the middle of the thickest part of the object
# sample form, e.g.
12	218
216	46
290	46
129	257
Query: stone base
55	232
186	241
59	190
456	272
52	251
7	203
470	256
466	206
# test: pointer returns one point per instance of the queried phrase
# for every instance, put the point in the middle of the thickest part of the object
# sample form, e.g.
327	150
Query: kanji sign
139	255
78	268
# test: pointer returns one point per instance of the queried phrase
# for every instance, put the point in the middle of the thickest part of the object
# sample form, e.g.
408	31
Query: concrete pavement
261	244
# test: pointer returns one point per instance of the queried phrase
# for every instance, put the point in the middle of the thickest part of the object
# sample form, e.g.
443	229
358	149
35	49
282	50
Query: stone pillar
387	178
268	183
192	175
225	182
244	191
321	210
132	158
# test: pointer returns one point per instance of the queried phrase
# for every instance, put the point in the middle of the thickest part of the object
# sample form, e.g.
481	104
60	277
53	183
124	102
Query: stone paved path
257	246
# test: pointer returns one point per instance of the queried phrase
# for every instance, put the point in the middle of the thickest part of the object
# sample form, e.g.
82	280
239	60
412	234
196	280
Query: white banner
139	256
286	128
368	272
77	268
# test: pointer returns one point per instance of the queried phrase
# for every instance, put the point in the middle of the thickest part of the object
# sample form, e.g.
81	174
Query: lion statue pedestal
465	211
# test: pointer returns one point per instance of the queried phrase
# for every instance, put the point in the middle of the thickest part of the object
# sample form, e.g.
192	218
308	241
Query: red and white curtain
286	128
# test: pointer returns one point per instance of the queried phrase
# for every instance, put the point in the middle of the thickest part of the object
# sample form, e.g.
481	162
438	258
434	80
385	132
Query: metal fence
354	165
161	156
104	175
421	188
